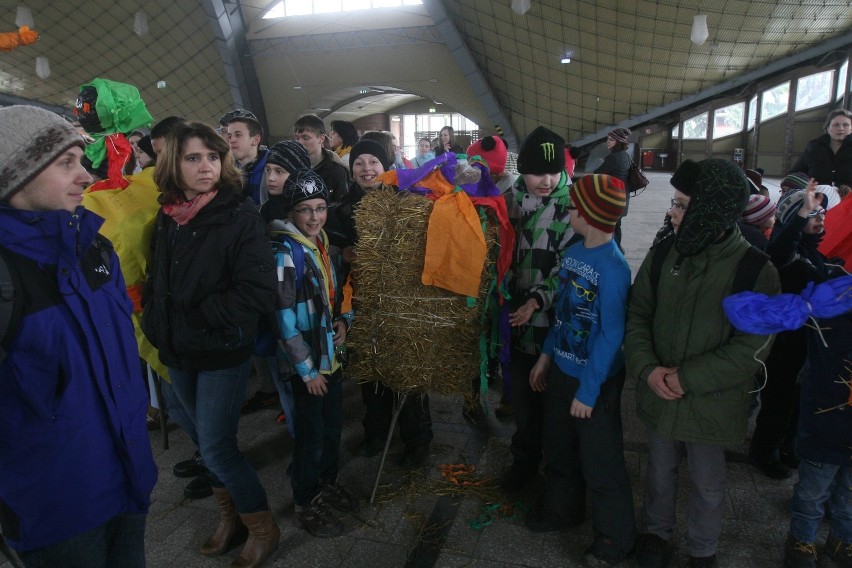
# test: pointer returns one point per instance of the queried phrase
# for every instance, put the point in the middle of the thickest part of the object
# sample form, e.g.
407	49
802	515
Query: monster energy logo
549	151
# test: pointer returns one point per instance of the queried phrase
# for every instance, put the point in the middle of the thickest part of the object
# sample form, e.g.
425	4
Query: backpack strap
661	250
11	308
748	269
298	255
745	277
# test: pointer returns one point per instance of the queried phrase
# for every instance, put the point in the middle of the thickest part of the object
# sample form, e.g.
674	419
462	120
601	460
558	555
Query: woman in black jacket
617	164
211	276
828	159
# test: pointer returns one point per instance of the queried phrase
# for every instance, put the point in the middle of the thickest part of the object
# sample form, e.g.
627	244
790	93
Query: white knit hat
30	139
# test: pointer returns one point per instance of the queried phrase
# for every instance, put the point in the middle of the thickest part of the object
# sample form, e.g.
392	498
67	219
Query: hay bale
412	337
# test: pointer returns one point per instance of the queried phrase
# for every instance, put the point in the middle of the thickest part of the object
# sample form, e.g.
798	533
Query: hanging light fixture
24	17
140	23
42	67
699	30
521	6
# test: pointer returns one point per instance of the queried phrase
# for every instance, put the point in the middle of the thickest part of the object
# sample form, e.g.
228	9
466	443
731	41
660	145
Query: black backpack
10	309
748	268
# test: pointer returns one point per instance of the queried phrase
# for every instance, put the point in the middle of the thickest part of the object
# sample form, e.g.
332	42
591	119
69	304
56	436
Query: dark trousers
775	426
415	421
588	452
529	413
118	543
318	425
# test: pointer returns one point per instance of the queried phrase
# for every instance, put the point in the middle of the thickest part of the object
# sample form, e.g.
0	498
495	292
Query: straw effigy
413	338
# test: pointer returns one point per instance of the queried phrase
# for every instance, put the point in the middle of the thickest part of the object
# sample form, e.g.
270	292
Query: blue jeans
821	483
212	401
318	424
118	543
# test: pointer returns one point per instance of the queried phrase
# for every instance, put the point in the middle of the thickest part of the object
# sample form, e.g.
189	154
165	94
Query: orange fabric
135	294
12	40
455	246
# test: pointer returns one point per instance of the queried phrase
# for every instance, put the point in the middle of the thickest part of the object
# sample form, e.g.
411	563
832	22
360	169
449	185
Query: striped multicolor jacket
542	233
306	313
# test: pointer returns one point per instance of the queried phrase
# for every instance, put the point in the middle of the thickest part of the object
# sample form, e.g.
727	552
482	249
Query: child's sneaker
798	554
317	520
338	498
602	553
652	551
839	551
703	562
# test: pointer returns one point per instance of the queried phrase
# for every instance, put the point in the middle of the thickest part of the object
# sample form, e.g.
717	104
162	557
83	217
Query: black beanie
290	155
303	185
542	152
369	147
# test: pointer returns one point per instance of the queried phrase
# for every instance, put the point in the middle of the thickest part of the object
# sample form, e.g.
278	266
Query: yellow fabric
129	223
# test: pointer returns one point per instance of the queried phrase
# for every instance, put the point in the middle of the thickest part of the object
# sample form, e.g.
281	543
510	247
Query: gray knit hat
30	139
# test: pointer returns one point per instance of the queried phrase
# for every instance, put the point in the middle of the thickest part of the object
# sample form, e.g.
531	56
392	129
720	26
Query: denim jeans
318	424
212	401
820	484
118	543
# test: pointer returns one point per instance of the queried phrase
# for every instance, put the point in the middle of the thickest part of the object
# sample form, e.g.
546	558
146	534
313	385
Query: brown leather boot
263	539
230	531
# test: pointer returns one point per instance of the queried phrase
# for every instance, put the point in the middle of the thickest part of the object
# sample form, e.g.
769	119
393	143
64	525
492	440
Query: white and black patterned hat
303	185
30	139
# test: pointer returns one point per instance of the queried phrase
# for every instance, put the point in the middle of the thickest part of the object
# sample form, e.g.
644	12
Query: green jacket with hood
681	324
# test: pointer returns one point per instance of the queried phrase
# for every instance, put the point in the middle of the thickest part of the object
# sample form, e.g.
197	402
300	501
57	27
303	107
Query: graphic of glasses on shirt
582	292
580	333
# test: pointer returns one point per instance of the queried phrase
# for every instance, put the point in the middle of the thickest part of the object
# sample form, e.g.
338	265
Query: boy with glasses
694	371
583	438
312	331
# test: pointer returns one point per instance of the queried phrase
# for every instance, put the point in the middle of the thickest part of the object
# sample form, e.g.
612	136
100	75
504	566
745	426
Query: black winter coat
821	163
209	282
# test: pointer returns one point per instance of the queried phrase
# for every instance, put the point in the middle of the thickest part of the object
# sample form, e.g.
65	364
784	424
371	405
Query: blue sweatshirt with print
591	308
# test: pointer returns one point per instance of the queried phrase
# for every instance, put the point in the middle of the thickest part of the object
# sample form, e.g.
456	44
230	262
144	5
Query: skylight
287	8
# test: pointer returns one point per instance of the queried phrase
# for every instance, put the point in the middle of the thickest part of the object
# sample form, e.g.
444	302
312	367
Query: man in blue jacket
76	470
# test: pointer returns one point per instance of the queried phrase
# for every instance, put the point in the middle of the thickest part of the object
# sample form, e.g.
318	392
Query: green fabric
120	109
688	329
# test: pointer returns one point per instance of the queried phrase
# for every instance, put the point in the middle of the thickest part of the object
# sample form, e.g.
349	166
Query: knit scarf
186	211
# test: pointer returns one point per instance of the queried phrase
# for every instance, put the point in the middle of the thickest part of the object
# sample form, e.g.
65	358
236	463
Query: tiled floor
416	521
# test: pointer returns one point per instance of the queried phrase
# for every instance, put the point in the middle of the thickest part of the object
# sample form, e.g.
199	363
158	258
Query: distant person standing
77	471
342	137
447	142
617	164
828	159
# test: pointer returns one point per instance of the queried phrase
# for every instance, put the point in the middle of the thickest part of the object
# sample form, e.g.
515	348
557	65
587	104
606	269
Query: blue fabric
254	178
751	312
74	444
118	542
590	313
212	400
822	484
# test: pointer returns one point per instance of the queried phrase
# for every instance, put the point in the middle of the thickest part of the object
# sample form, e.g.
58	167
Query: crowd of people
250	266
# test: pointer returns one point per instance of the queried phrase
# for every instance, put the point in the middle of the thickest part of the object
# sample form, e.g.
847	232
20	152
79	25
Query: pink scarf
186	211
